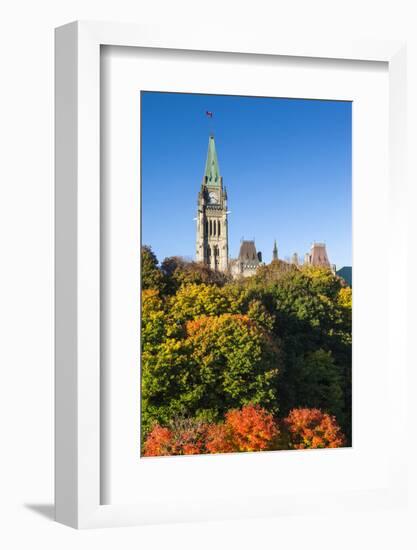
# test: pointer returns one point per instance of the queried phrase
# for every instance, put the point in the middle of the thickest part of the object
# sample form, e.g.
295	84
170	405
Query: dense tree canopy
216	363
280	340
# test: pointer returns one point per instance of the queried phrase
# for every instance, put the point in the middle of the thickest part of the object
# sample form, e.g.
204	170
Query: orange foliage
158	442
250	429
189	437
220	439
253	428
197	325
313	429
185	437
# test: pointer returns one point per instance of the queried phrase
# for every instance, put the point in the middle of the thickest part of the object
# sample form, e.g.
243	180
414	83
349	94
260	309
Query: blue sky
286	164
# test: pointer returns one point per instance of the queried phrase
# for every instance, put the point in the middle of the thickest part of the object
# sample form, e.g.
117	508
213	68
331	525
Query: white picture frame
77	241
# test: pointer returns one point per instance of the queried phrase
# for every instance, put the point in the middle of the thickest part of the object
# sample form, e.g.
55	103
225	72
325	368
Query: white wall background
26	273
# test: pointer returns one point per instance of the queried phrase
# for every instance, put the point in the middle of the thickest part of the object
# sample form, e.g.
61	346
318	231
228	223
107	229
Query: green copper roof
212	172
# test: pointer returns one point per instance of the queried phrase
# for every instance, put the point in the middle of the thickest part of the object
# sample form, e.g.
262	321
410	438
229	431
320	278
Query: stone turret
248	261
318	255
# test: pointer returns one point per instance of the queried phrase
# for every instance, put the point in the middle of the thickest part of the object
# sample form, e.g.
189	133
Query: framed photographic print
221	208
251	351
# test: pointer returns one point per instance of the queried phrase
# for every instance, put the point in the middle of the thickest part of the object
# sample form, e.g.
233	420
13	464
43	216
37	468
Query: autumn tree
252	428
220	439
158	442
345	297
313	429
181	437
153	319
196	300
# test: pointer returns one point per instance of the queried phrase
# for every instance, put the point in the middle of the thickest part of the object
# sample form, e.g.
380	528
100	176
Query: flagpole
209	116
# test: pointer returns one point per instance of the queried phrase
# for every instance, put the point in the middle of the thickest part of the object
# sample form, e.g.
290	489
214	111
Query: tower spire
275	251
212	171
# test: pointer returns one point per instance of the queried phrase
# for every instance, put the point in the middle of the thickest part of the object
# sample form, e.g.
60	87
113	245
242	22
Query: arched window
211	227
218	228
214	227
207	227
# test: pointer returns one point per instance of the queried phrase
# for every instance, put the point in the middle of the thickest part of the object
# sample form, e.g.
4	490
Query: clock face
213	198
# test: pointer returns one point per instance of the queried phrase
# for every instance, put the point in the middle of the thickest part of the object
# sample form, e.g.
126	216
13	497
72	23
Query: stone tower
275	252
212	247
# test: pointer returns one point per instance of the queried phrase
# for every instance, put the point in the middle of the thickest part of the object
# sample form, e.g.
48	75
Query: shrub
220	439
183	437
313	429
158	442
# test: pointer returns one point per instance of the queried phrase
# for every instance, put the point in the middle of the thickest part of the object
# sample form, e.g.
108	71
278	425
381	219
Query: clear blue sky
286	164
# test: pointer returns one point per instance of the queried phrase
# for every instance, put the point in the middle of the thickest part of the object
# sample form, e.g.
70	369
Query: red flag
209	114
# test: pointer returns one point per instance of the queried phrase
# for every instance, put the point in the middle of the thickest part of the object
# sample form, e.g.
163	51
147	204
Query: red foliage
313	429
253	428
220	439
189	437
184	437
158	442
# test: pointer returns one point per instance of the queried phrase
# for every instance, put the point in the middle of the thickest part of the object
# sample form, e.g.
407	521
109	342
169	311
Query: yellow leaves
345	297
151	301
195	300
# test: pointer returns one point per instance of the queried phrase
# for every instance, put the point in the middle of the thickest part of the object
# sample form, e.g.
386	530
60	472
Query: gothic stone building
212	246
248	260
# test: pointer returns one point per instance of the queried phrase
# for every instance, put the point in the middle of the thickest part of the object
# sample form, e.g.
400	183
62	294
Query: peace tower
212	247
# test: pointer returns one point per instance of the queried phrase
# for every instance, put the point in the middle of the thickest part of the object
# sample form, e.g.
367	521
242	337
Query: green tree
152	276
167	378
317	383
154	321
224	362
238	363
312	320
